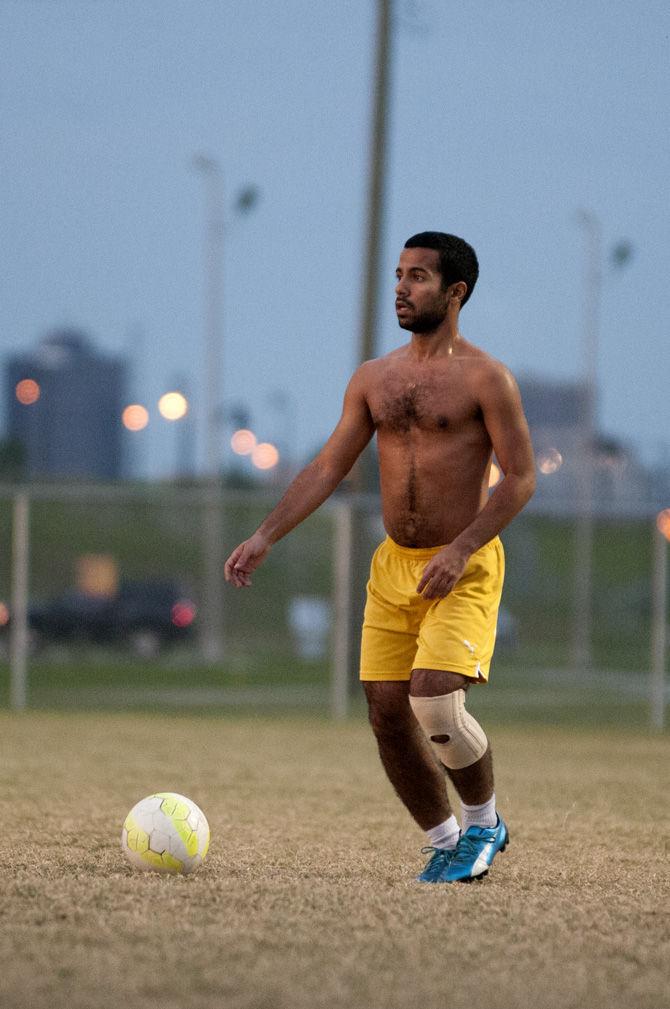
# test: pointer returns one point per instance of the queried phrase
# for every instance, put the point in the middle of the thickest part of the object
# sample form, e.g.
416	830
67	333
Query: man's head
457	259
435	275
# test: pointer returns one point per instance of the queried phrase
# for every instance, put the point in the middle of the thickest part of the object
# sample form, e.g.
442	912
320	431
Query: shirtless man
440	407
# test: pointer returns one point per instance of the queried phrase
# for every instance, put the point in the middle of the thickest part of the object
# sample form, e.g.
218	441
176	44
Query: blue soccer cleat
437	864
474	853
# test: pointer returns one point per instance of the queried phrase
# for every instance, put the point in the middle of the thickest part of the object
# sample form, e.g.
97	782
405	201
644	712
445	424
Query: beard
427	322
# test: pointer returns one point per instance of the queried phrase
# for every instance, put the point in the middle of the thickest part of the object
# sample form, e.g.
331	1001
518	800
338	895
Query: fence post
18	636
341	629
659	618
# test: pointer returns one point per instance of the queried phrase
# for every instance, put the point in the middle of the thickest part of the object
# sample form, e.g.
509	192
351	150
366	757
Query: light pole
621	253
378	155
211	603
211	606
582	595
363	472
210	170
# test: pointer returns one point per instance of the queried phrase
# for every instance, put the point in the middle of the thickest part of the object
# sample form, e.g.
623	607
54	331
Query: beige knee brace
457	738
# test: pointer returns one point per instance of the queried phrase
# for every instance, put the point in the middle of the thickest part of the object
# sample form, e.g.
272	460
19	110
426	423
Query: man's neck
440	342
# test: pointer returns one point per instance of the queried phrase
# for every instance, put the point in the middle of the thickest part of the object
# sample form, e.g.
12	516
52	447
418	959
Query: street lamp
211	605
213	262
584	532
582	621
211	608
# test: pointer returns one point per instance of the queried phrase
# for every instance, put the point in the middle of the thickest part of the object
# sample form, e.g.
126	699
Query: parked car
144	616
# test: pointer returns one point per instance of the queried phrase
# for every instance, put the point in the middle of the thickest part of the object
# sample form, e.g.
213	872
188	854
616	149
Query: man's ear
458	290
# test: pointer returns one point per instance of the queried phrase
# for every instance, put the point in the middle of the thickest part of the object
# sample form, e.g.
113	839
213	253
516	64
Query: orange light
4	614
494	475
550	461
27	391
173	406
135	417
265	456
243	442
663	523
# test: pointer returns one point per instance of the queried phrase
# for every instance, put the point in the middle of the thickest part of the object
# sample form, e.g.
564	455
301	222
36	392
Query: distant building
556	412
64	403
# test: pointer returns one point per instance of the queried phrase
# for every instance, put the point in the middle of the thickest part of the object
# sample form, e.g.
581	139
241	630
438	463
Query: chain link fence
103	595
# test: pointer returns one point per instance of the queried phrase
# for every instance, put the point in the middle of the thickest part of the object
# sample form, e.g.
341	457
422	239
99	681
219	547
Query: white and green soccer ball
165	832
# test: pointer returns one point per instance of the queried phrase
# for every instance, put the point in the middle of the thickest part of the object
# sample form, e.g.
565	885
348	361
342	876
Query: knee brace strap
457	738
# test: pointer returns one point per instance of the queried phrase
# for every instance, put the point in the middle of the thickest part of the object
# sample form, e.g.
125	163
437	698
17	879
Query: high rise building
64	403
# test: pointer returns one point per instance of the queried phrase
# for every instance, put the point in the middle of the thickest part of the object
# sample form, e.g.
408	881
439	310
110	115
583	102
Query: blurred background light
663	523
550	461
173	406
183	613
27	391
265	456
135	417
243	442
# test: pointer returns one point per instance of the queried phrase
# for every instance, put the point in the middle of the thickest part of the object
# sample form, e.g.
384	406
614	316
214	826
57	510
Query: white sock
480	816
446	834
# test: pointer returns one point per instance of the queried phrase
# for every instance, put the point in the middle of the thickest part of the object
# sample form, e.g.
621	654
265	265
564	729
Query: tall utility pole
376	182
583	587
211	604
362	477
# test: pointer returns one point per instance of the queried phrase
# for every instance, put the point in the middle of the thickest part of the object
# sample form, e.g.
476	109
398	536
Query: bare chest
399	406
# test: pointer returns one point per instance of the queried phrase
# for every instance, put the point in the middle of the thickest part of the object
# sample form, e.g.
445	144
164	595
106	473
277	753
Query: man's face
421	303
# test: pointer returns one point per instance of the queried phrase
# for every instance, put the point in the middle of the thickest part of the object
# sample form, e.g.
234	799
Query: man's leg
437	698
474	783
407	758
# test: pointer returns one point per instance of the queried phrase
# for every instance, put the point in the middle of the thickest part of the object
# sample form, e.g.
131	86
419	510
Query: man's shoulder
372	369
483	363
379	363
487	374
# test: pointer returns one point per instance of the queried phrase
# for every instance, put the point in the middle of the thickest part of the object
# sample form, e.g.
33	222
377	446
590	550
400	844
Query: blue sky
506	119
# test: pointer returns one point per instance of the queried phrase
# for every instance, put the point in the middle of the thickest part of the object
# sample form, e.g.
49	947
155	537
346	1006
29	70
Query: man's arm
508	429
313	484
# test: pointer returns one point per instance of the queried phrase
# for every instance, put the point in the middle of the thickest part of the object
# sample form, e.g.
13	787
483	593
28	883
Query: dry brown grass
307	898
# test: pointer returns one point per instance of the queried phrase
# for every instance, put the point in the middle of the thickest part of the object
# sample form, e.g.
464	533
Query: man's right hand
244	559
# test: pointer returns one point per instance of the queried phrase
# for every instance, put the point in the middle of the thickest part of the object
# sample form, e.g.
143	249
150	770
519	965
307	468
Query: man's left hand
442	572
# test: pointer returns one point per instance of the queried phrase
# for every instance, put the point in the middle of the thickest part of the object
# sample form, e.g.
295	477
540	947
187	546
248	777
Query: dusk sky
507	118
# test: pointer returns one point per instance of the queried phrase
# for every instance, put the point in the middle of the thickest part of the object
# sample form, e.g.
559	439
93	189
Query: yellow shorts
403	631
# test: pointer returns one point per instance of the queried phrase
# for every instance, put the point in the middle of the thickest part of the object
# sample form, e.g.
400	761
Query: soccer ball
165	832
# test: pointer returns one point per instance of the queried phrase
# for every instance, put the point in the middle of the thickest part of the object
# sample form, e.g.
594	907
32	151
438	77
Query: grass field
307	898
